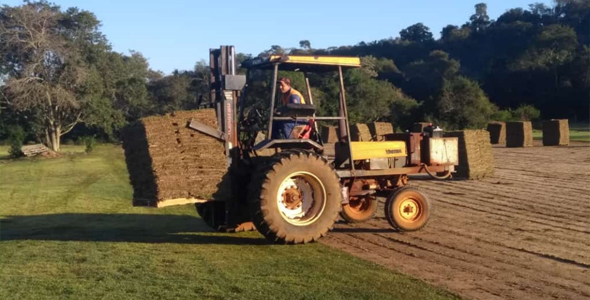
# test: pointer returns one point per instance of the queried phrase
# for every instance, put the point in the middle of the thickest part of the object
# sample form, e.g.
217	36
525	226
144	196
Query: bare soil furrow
495	249
488	253
494	265
508	192
508	213
547	173
513	200
483	200
481	224
546	182
473	218
566	252
516	177
522	234
423	259
546	195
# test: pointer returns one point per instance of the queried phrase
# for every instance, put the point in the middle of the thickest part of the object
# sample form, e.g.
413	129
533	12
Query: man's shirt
293	96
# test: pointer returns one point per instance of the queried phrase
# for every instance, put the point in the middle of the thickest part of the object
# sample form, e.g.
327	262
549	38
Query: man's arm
295	99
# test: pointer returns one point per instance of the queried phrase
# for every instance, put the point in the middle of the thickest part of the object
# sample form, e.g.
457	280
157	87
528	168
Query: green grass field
68	231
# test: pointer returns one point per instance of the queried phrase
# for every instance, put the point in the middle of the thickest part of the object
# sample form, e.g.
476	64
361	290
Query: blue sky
175	34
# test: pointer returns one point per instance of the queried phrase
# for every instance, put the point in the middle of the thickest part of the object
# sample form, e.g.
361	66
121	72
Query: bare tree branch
69	127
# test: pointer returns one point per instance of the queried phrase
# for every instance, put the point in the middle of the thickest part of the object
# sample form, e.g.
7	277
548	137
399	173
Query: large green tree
118	90
60	71
530	56
463	104
44	69
416	33
425	78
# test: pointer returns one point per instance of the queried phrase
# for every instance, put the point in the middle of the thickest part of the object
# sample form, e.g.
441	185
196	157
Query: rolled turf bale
419	126
497	132
379	129
476	160
519	134
556	132
360	133
329	134
167	160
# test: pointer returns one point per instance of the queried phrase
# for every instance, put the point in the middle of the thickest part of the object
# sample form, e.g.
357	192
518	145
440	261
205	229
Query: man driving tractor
284	129
290	95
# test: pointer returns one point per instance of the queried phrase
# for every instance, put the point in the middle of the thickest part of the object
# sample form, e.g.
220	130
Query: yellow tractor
292	189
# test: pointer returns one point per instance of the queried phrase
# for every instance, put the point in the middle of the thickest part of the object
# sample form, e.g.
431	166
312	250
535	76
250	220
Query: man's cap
285	80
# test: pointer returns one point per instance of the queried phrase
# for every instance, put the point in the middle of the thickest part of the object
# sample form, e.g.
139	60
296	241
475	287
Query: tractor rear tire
359	209
408	209
295	197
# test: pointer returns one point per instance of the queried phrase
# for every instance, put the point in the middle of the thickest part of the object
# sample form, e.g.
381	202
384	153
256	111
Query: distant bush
526	113
16	137
502	116
15	149
523	113
90	143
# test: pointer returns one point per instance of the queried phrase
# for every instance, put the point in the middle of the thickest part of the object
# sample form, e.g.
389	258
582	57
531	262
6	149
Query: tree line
61	78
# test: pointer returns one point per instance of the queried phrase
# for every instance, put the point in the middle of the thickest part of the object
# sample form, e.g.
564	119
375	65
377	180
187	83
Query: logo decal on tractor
393	151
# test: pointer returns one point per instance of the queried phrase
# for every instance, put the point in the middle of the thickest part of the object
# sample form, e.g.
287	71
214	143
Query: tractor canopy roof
303	63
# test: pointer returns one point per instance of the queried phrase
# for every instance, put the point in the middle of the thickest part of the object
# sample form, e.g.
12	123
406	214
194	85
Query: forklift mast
225	87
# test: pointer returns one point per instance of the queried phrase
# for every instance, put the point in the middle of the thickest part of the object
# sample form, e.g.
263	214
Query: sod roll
476	160
379	129
519	134
497	132
329	134
556	132
360	133
167	160
419	126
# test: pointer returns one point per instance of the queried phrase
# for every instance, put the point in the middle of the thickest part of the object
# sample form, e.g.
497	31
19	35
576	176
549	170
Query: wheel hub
298	201
409	209
292	197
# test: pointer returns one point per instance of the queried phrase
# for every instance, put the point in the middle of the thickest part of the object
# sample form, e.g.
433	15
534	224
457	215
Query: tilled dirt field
523	234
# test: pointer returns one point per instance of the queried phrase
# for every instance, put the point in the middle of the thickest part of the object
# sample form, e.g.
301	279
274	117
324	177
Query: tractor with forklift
292	189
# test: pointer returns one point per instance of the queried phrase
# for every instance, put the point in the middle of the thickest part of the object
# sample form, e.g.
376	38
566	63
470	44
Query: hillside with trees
61	79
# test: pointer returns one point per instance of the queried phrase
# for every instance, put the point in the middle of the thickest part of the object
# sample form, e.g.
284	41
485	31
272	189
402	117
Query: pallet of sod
167	160
556	132
476	160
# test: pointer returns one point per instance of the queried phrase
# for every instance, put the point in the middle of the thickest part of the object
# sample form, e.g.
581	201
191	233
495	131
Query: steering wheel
256	118
255	121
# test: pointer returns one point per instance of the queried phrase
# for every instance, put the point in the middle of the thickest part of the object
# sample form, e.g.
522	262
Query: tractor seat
298	110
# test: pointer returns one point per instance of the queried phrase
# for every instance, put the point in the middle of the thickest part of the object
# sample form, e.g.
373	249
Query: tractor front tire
407	209
295	197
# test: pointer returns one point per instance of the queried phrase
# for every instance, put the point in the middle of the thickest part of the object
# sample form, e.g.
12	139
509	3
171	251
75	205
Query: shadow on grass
129	228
